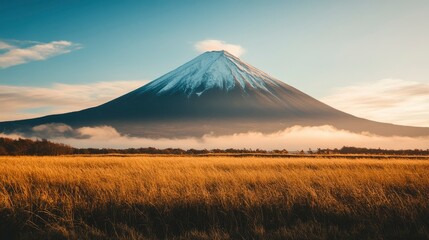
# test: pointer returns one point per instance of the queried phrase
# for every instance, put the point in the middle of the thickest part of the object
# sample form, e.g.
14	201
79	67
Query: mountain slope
213	93
217	84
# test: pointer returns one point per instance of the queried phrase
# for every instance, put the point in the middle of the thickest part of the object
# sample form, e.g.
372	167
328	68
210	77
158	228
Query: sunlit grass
140	197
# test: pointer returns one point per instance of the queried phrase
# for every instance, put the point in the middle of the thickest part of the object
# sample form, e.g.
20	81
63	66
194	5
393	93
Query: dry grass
149	197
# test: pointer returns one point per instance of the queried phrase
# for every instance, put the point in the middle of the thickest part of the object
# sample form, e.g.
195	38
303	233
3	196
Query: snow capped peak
211	70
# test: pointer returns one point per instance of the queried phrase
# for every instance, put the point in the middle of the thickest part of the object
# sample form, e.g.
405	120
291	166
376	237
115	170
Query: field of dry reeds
171	197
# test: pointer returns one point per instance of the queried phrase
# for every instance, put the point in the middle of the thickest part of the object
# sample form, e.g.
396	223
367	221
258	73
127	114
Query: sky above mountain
368	58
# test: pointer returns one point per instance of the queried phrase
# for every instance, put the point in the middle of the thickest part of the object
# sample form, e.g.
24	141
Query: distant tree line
30	147
372	151
45	147
176	151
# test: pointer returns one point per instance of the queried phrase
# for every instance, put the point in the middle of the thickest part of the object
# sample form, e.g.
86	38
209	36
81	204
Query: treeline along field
153	197
29	147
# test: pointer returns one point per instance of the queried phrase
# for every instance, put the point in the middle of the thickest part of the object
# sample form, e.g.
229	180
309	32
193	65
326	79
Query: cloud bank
18	102
15	54
4	45
217	45
388	100
292	139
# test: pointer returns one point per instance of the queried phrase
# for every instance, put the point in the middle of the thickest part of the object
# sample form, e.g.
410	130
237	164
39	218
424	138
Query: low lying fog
293	138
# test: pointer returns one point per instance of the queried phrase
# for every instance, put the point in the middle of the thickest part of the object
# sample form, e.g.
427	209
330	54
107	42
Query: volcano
215	93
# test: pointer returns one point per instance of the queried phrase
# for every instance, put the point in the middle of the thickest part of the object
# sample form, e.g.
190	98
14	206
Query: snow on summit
214	69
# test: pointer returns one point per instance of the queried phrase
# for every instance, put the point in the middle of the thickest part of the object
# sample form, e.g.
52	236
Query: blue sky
319	47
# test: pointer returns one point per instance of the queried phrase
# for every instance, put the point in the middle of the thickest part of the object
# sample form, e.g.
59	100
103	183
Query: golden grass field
173	197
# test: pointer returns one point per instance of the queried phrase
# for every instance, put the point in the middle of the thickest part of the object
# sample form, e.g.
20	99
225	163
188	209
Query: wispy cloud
293	138
16	54
388	100
18	102
217	45
4	45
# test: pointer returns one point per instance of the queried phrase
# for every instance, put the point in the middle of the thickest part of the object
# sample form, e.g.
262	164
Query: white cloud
61	128
4	45
54	130
217	45
388	100
36	52
18	102
100	133
292	139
